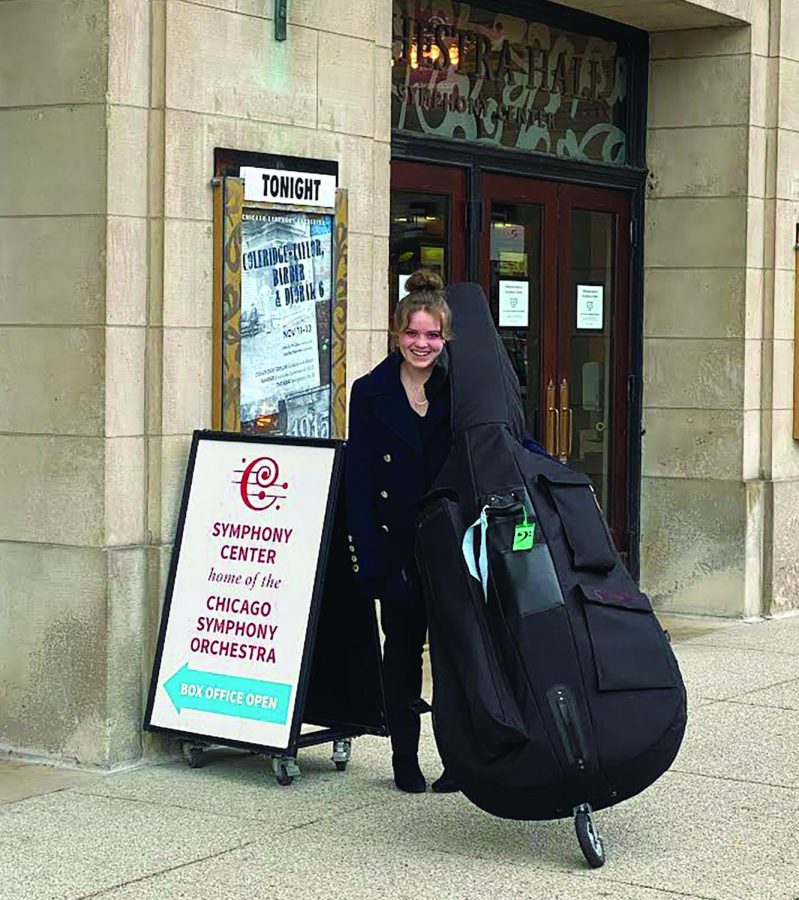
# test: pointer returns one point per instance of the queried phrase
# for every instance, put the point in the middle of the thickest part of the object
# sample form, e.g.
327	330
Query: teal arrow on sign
229	695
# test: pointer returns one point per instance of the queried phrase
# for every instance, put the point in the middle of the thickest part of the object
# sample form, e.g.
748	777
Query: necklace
420	402
420	393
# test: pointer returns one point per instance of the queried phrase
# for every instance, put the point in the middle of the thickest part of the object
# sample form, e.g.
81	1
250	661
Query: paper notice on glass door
590	306
514	302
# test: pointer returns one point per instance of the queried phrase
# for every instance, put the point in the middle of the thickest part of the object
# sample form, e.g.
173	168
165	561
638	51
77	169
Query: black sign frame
332	504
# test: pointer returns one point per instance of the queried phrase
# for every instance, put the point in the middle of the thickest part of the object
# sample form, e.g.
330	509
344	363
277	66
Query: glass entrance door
555	267
593	348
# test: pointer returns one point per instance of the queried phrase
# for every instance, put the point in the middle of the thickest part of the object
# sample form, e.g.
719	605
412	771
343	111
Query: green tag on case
524	535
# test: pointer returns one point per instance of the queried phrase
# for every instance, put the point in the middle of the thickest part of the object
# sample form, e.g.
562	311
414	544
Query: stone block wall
702	326
53	417
775	73
110	111
720	491
323	93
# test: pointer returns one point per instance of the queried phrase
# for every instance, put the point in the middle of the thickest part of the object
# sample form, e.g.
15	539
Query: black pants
404	626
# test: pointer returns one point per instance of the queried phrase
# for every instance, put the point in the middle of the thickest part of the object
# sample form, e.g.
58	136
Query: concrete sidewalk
720	824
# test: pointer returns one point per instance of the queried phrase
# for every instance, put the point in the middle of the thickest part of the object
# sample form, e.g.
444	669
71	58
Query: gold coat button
384	495
354	558
356	568
352	548
384	527
387	457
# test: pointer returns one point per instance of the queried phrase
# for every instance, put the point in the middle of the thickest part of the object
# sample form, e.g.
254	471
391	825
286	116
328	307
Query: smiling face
420	343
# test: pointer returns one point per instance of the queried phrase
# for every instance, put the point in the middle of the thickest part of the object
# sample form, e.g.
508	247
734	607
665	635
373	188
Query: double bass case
555	691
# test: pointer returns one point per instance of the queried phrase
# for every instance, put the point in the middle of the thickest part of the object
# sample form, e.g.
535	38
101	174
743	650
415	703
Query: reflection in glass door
517	279
592	255
515	291
427	210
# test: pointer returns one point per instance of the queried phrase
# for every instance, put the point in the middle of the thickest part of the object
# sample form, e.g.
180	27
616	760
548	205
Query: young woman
399	437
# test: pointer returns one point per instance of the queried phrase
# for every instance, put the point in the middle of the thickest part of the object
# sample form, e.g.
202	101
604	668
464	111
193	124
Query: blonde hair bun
424	280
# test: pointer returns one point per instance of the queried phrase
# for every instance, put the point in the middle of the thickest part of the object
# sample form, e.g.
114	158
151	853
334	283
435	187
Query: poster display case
280	297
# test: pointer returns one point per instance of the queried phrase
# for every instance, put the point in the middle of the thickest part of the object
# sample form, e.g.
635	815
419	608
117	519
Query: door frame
479	160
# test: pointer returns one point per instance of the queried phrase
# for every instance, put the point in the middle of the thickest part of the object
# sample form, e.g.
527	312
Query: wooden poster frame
229	206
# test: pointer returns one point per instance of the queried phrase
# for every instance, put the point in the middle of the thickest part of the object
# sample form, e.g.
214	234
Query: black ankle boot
407	774
445	784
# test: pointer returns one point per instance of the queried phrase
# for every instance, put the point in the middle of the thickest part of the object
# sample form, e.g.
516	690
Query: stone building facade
110	112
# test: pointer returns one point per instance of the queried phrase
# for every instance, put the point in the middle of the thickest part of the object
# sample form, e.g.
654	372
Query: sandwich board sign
244	590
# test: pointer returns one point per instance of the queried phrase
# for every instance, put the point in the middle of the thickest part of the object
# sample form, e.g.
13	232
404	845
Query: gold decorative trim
227	315
338	361
216	341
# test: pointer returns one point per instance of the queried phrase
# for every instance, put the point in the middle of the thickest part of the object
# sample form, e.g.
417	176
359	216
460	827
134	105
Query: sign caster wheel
285	769
342	751
194	756
588	837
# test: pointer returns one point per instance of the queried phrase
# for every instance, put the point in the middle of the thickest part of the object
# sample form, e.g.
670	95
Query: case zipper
561	703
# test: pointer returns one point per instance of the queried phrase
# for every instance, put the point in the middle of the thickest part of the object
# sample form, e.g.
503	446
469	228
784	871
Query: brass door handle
553	421
553	430
568	429
565	423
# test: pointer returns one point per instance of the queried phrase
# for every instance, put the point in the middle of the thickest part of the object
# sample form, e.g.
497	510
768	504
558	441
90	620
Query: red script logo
259	483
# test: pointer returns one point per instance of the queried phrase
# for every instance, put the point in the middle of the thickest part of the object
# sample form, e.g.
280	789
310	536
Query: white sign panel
590	306
235	621
514	302
289	188
402	280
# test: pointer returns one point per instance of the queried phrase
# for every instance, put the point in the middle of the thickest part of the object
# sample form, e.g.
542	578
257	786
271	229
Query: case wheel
342	751
588	837
283	777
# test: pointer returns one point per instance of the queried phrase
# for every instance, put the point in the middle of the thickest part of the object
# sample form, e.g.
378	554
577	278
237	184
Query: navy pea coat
387	471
